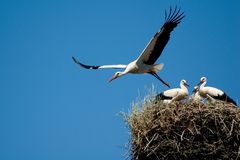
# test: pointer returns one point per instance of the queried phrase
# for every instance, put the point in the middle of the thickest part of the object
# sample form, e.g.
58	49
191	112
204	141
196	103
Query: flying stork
213	93
176	94
145	63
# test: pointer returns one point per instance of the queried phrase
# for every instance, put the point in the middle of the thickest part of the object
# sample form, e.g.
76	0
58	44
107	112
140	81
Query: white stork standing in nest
145	63
212	93
197	98
176	94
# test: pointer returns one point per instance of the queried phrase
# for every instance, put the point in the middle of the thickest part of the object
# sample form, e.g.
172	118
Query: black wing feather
171	21
161	96
225	98
83	65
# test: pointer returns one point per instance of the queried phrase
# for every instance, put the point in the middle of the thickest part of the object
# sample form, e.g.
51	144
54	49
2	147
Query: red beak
113	77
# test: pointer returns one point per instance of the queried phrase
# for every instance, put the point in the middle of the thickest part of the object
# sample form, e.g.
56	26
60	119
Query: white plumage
175	94
197	98
212	93
145	63
195	94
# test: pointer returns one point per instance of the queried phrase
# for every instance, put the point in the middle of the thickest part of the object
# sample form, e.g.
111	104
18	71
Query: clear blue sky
52	109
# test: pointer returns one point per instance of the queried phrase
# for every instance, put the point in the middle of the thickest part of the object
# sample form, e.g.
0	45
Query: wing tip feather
174	16
83	65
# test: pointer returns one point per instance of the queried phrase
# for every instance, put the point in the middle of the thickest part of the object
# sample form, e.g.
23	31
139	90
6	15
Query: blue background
50	108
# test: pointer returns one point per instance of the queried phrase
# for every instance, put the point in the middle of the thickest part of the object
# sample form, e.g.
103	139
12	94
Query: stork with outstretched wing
145	63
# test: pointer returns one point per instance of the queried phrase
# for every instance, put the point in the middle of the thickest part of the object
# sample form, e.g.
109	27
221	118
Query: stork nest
187	130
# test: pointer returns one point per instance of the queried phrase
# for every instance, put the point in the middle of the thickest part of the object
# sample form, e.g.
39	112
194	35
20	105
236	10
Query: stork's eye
203	79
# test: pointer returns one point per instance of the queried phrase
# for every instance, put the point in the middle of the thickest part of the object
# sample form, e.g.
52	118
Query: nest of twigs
186	130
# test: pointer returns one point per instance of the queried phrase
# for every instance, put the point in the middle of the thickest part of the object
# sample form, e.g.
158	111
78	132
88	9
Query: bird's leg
210	99
156	76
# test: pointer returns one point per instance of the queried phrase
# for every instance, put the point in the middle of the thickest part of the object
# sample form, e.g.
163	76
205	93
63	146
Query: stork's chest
136	68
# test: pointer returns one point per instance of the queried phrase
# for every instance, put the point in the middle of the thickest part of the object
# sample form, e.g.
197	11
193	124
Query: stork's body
213	93
176	94
198	98
145	63
136	67
195	94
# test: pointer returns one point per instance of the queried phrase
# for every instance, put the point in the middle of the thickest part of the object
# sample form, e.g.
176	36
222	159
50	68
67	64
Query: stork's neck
124	72
202	85
183	87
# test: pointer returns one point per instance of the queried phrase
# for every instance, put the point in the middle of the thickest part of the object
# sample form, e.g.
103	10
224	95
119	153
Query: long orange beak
113	77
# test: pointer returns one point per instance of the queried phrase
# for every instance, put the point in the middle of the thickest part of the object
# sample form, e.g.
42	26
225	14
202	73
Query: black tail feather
161	96
225	98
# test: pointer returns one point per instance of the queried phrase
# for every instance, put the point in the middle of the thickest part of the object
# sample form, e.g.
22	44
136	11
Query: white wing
116	66
213	91
172	92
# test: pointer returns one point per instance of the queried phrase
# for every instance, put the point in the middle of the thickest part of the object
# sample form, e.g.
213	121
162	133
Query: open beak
113	77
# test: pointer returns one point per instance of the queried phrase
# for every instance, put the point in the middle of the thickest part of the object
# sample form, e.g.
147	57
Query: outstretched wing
155	47
99	67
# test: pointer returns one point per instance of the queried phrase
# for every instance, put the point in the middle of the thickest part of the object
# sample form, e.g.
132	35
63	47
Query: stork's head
202	80
196	89
116	75
184	82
